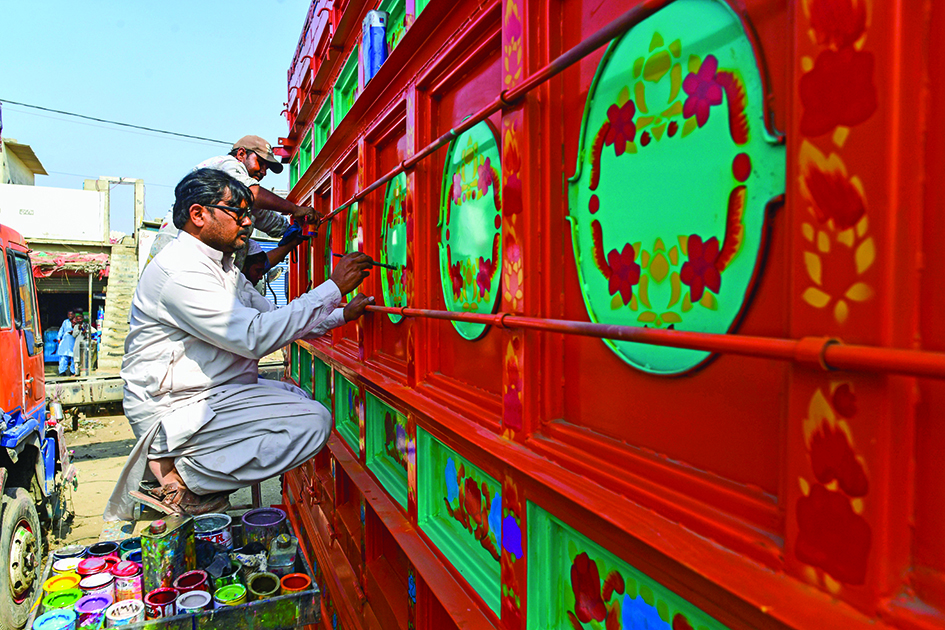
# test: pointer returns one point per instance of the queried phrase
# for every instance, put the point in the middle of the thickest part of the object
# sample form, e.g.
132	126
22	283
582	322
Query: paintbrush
373	262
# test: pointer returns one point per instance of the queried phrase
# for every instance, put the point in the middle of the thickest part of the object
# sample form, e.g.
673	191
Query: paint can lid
94	603
158	527
194	600
125	609
62	599
61	582
230	592
96	580
211	522
263	517
66	565
58	619
89	566
125	568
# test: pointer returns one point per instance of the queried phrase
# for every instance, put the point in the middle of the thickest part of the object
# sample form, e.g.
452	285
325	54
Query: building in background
18	163
76	260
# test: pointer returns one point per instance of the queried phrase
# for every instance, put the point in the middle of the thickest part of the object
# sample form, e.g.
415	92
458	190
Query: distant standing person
66	346
248	162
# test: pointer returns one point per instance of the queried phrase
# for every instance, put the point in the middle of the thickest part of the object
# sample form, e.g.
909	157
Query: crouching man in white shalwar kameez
206	424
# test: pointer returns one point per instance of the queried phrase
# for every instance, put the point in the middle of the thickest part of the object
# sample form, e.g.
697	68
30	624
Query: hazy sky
208	68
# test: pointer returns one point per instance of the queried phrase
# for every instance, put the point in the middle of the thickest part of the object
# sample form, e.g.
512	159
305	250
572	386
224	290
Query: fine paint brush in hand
373	262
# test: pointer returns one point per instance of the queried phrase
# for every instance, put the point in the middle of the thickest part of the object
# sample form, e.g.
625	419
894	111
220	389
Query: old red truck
34	464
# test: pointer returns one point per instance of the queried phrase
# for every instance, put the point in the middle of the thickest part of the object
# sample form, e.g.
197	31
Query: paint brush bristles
373	262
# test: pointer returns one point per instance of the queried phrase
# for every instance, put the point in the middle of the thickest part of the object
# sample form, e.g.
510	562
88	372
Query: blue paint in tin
59	619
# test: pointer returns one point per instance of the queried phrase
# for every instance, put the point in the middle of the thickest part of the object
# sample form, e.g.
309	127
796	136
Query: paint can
167	550
66	565
215	528
194	602
62	599
262	525
127	580
70	551
263	586
61	619
124	613
230	576
196	580
232	595
282	554
91	610
103	549
133	555
63	582
129	544
91	566
295	583
99	584
161	602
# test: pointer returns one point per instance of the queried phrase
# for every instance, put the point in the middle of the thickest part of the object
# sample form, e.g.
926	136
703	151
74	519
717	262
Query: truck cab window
4	295
24	303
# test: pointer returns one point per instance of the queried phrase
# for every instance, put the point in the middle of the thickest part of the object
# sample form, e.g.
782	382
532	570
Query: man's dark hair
206	186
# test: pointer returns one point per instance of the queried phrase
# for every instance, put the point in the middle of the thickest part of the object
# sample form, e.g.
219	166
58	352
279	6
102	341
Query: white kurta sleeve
210	312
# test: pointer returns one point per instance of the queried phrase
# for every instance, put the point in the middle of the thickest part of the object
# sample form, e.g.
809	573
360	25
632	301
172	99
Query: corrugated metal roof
278	286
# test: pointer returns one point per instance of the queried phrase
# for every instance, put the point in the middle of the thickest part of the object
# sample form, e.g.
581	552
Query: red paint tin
127	580
197	580
295	583
160	603
91	566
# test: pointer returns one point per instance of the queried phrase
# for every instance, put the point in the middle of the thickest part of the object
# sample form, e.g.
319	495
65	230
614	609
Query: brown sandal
180	499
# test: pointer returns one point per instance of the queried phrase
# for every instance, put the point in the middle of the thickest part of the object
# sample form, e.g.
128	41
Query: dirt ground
99	449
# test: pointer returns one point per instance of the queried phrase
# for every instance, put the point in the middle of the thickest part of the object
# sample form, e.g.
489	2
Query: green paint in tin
62	599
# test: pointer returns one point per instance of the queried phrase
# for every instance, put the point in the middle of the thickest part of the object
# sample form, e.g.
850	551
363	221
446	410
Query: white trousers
245	434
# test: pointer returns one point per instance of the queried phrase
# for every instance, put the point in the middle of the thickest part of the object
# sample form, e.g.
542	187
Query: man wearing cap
247	162
258	261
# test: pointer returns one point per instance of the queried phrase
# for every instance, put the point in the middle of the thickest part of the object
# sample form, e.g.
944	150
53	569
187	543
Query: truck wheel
21	550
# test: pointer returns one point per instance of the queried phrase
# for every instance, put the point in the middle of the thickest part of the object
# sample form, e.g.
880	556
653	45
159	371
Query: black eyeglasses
237	213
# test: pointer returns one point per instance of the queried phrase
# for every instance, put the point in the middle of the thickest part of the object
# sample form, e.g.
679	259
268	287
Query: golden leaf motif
808	231
823	242
862	226
659	268
708	301
859	292
671	318
846	237
647	317
841	311
815	297
865	255
616	303
805	486
814	268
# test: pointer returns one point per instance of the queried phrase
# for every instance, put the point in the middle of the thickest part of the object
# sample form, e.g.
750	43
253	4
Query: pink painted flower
484	277
456	277
585	583
457	191
622	130
485	177
703	90
624	272
700	272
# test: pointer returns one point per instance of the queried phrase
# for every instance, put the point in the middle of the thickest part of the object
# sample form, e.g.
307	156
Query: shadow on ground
115	448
